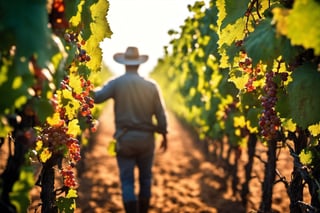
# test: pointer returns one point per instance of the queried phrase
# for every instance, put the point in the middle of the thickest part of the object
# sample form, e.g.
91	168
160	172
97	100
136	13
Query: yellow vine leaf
45	155
74	128
72	109
306	157
239	121
314	129
72	193
303	24
72	105
232	32
66	94
289	125
39	145
54	120
251	128
75	83
280	17
300	24
112	148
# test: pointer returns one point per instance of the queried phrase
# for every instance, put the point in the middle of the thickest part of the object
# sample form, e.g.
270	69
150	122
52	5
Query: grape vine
48	79
255	55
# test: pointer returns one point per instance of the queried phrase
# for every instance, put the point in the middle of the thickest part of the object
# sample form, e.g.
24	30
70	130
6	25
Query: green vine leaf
23	28
263	44
303	95
43	108
20	193
234	10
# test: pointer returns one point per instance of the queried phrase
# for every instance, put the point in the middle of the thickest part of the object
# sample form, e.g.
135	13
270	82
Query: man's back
136	101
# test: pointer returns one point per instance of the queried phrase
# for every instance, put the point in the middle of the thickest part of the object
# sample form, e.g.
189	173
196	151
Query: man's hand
164	143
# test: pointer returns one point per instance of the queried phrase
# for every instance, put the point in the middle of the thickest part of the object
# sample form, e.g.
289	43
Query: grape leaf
66	204
211	15
72	105
72	193
306	157
232	33
227	38
234	11
73	128
314	129
288	125
54	120
226	87
282	105
252	117
238	78
93	13
43	109
18	96
21	188
263	44
303	95
300	24
99	30
239	121
111	148
25	28
45	155
75	83
71	8
32	38
303	24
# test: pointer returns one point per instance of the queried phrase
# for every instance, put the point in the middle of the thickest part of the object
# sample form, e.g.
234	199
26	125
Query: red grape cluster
71	37
54	137
82	55
58	141
86	101
69	179
269	121
245	64
74	149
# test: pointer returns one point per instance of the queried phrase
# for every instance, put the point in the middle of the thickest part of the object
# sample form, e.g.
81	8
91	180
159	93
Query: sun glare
145	24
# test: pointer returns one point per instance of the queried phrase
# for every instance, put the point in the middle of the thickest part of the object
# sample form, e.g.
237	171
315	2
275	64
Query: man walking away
137	102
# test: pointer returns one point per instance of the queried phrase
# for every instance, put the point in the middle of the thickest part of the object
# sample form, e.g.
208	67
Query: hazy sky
142	23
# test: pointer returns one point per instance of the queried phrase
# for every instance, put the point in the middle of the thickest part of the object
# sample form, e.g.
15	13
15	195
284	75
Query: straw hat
130	57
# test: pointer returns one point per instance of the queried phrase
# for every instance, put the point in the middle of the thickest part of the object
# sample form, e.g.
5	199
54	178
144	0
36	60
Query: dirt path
183	180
